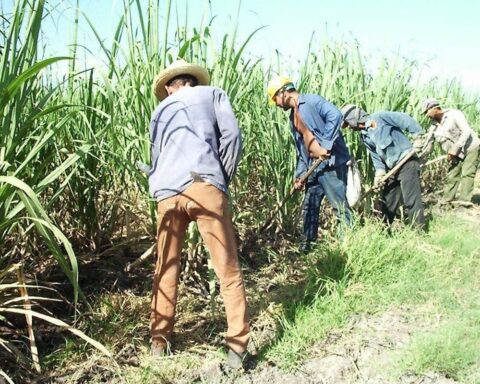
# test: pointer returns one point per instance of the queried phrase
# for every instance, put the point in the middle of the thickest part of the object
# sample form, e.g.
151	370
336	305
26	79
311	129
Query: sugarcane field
239	191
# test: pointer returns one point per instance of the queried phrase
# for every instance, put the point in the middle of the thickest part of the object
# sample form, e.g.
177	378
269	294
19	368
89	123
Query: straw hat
179	67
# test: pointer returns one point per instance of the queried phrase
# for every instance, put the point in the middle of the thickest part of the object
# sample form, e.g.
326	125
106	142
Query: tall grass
28	132
34	166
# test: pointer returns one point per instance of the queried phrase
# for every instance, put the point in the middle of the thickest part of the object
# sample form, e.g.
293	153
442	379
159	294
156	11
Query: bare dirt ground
362	352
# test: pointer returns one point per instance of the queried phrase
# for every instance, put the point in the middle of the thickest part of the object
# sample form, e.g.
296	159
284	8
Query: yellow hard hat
276	84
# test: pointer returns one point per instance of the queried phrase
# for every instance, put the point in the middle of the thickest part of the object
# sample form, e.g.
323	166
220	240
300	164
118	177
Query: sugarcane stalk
279	206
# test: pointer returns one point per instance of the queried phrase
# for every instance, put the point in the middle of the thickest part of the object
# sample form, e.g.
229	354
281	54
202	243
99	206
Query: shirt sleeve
230	139
378	164
403	121
333	120
154	139
465	131
429	140
301	167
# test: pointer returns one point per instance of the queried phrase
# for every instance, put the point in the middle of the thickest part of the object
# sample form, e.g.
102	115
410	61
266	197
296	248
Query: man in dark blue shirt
315	125
383	135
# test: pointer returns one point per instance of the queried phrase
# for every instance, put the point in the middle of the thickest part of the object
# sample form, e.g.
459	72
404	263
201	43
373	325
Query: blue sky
444	34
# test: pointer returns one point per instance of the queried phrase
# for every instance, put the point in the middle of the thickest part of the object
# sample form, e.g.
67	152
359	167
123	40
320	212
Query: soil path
362	352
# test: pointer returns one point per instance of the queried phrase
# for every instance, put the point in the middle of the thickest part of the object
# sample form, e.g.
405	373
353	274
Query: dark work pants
405	185
330	182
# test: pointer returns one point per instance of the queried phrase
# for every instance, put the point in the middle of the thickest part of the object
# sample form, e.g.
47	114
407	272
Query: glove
418	144
377	181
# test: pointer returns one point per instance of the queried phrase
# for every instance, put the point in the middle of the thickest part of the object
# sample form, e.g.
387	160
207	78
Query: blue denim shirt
324	120
386	143
193	133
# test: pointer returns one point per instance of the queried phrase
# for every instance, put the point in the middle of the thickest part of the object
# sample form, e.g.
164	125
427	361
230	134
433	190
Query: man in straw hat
196	147
452	131
315	125
383	133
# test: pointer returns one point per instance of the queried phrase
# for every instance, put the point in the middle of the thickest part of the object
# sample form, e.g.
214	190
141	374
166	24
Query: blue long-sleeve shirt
324	120
386	143
193	133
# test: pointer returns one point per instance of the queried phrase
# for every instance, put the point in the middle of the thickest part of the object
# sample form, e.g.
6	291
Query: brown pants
208	206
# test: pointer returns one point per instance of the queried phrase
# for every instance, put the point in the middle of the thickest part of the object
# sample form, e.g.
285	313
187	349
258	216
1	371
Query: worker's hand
321	157
323	152
452	158
378	183
326	156
145	168
298	184
418	144
320	153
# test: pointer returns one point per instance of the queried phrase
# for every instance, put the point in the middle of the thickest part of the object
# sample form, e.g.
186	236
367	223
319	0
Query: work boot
306	246
159	350
235	359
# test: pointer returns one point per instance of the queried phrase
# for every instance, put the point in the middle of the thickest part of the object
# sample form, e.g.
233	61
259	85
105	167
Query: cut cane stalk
28	316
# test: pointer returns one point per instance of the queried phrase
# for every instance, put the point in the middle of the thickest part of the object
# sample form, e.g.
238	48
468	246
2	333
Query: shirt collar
445	116
368	127
301	99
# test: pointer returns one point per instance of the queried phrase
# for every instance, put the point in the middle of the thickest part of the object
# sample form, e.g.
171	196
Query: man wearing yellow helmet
315	124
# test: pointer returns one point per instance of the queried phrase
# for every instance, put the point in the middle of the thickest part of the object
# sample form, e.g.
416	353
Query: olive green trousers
461	176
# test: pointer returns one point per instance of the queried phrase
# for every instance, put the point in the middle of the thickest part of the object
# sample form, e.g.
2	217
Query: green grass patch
452	349
374	269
